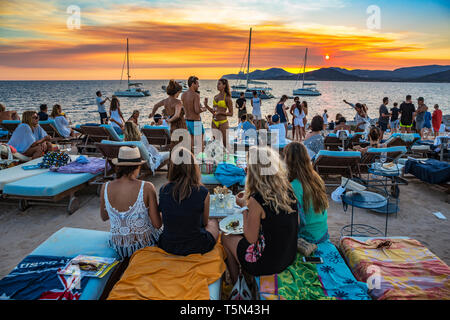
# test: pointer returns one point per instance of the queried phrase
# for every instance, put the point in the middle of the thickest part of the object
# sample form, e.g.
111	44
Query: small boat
134	89
307	89
263	92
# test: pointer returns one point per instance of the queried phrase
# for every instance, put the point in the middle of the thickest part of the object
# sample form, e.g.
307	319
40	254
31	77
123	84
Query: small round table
363	200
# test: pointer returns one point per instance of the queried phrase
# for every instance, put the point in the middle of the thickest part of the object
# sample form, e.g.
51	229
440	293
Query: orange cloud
170	46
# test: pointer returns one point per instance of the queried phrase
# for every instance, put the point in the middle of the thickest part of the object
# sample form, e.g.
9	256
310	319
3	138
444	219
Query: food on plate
221	190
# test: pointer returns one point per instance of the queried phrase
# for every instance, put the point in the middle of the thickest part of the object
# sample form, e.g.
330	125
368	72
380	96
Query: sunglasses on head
35	117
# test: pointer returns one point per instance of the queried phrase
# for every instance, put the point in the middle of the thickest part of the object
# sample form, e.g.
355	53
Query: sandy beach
22	232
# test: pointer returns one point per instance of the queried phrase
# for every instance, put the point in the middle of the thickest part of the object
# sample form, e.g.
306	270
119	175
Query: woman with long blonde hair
29	138
269	244
131	133
310	191
184	204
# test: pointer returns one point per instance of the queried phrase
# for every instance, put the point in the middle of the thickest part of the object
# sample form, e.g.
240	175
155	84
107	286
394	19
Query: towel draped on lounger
157	275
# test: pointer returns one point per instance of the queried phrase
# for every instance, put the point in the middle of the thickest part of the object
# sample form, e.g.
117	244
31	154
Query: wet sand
22	232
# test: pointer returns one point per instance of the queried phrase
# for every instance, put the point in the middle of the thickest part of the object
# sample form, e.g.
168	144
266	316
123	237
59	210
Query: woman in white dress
116	116
256	105
298	122
130	205
61	122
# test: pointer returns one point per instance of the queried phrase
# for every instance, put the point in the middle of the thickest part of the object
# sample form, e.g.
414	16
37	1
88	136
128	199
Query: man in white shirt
101	107
277	126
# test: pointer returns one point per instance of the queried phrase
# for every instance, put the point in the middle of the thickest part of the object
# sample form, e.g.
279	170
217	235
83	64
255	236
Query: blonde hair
27	117
2	107
300	168
131	132
275	188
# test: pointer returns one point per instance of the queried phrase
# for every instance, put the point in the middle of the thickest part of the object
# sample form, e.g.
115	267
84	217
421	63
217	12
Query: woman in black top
269	244
184	204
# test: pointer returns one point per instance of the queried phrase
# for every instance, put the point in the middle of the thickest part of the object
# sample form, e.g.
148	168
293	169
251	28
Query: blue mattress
70	242
210	179
431	171
46	184
339	154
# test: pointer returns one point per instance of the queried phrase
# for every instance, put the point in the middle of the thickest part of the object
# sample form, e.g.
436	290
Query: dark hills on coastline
431	73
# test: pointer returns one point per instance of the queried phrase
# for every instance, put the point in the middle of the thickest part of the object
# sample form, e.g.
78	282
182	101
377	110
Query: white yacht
134	89
307	89
263	92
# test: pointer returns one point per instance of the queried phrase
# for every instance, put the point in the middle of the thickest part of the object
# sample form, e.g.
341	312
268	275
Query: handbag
240	290
9	161
55	159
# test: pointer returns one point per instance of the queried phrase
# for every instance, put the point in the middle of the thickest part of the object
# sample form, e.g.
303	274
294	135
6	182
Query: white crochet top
131	230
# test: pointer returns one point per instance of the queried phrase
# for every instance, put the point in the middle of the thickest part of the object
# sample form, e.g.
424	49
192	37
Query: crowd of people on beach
278	209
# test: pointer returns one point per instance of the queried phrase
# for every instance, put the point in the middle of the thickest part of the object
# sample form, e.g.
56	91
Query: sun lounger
17	173
332	142
71	242
330	280
95	134
4	135
154	274
10	126
397	268
392	155
48	187
157	135
343	163
110	150
50	127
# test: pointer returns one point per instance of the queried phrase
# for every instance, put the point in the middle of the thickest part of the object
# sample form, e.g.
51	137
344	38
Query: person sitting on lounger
29	138
310	191
135	117
61	122
132	133
342	125
269	244
130	205
7	115
184	205
374	140
314	140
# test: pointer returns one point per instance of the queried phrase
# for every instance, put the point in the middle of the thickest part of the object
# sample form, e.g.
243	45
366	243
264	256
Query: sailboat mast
248	59
304	67
128	67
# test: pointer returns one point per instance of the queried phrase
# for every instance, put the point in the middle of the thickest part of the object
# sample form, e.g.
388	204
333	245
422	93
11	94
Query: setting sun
327	57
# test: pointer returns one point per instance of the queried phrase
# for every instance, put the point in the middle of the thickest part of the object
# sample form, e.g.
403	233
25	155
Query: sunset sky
173	39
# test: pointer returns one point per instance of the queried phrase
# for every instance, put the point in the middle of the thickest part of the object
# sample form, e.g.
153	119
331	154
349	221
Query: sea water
77	98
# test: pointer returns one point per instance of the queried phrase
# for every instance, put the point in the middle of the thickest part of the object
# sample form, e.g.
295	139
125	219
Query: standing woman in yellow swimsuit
222	108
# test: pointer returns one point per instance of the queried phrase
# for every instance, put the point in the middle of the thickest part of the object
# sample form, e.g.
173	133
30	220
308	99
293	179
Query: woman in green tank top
309	189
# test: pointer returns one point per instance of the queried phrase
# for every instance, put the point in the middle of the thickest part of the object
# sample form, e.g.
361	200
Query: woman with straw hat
131	206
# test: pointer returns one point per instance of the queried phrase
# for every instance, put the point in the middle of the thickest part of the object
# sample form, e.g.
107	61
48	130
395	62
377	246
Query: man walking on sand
193	109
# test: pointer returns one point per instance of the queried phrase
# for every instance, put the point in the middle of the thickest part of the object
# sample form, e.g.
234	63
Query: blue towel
36	278
82	159
431	171
336	277
229	174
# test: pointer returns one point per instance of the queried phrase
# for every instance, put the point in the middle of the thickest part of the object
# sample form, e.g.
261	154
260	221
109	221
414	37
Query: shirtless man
193	109
7	115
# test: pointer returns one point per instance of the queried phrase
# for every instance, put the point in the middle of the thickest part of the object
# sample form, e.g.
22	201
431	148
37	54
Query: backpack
55	159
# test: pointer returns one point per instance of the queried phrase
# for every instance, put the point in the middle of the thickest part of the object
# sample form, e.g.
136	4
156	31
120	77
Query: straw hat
128	156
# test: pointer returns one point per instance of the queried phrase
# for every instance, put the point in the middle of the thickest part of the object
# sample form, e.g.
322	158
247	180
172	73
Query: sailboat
263	92
307	89
134	88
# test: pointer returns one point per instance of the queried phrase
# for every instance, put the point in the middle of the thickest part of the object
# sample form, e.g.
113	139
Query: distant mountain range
432	73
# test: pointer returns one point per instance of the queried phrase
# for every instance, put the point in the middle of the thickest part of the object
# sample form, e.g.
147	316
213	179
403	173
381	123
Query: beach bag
9	161
208	167
55	159
240	290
